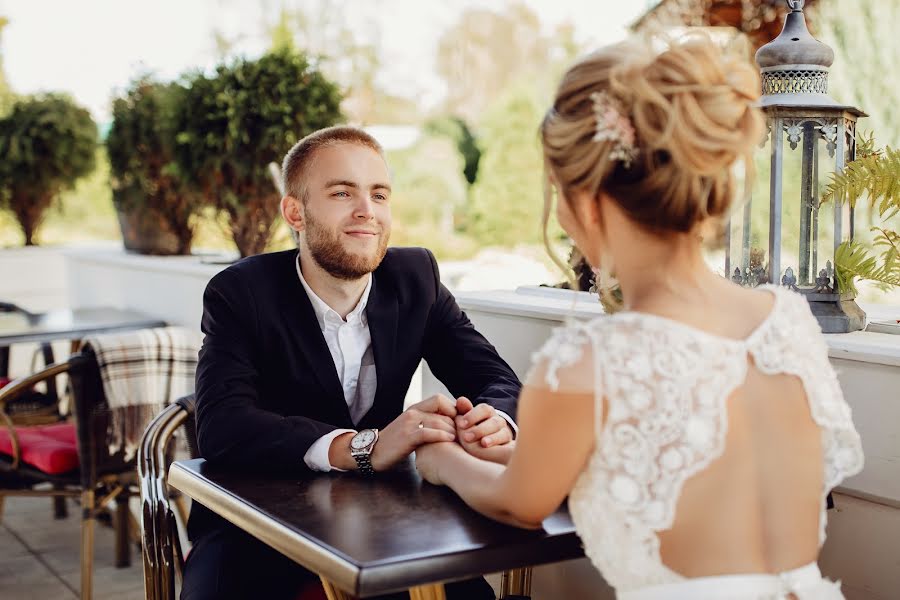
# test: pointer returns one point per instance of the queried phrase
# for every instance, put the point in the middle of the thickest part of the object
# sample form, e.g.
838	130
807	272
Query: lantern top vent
794	65
795	45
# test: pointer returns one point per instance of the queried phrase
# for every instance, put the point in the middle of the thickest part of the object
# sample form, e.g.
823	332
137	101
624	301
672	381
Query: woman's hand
431	458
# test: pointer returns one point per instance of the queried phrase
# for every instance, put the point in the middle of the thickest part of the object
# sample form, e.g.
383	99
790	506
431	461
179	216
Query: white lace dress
666	385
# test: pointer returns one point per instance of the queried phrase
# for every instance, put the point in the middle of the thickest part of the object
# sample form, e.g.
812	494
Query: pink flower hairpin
614	126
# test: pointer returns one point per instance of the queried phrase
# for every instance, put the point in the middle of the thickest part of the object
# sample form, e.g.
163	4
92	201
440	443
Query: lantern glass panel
748	227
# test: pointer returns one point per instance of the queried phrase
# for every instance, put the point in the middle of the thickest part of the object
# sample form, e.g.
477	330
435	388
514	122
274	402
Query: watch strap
364	463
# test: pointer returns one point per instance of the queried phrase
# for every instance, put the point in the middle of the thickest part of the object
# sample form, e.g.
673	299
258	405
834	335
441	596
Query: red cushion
312	591
4	381
48	448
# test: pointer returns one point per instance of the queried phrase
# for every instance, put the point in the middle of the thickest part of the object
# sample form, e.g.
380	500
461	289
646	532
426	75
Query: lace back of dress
666	387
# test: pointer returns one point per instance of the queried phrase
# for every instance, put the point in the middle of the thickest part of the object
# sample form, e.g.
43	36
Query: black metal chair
161	546
96	475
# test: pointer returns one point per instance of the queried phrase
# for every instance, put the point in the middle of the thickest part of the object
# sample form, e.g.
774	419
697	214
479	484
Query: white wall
170	288
35	279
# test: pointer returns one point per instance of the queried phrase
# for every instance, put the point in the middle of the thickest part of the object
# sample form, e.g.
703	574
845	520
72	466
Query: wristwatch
361	446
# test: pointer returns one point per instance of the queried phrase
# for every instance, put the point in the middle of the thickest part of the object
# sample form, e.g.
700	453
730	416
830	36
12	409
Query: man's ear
292	212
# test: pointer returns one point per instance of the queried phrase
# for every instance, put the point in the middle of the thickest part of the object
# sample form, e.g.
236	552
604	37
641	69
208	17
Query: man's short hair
298	158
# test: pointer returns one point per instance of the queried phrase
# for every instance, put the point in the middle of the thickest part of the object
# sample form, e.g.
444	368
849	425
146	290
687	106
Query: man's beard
326	249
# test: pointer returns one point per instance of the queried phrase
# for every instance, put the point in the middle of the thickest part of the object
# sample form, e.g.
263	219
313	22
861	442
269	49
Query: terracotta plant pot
146	231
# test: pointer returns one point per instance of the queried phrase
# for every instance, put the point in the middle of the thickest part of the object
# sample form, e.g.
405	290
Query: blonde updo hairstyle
694	113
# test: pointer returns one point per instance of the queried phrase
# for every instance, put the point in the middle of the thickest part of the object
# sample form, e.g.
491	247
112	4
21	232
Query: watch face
362	439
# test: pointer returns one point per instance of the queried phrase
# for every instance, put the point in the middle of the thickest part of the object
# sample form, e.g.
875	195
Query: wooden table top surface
374	535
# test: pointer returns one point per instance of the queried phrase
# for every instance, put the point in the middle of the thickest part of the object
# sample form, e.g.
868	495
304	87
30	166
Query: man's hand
428	421
482	432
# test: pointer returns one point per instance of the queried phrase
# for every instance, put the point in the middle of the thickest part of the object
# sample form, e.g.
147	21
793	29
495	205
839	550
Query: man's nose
364	208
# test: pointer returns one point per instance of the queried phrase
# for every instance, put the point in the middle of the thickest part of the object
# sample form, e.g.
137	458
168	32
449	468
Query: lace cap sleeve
843	446
566	362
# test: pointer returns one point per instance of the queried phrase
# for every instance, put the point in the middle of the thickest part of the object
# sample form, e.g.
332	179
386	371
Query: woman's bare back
756	508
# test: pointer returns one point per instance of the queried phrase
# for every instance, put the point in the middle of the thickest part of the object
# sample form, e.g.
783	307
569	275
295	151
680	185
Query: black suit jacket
267	387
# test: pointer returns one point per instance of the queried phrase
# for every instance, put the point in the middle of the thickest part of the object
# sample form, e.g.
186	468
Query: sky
93	48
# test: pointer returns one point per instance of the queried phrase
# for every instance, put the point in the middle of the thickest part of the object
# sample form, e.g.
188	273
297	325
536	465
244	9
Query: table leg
434	591
516	582
333	592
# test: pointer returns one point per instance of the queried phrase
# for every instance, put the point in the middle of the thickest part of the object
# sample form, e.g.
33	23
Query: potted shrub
247	114
47	143
156	206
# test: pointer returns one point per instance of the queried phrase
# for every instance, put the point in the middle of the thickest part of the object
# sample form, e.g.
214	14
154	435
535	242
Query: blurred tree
457	130
233	123
326	36
6	94
47	143
507	198
866	48
281	32
428	184
485	52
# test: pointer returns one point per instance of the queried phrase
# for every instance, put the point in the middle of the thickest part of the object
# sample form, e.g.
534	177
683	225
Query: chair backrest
161	547
92	420
46	350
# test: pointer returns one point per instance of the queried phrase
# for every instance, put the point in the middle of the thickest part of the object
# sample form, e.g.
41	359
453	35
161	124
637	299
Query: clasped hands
480	430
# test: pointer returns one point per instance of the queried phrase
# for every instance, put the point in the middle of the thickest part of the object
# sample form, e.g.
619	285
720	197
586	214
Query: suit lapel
382	312
300	316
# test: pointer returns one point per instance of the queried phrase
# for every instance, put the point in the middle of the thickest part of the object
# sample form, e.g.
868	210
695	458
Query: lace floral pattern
667	385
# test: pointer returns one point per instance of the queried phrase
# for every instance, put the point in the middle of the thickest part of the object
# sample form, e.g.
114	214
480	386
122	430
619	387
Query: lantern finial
795	65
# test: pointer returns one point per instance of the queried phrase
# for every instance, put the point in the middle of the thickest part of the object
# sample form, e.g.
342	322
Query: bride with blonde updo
698	430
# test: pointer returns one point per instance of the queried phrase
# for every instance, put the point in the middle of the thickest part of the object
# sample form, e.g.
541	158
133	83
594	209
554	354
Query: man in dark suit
309	353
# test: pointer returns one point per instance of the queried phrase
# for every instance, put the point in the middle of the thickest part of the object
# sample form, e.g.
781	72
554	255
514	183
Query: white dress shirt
350	344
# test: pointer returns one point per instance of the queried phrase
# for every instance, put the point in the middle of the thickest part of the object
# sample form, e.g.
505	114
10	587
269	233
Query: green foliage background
47	143
235	122
141	147
473	179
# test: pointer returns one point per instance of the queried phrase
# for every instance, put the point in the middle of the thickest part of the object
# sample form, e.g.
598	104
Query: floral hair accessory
613	125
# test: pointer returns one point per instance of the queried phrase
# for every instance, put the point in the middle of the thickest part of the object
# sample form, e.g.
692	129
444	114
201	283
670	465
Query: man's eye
341	194
381	197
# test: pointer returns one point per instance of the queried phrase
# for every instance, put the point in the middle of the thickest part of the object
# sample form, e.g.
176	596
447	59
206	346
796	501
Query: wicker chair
162	553
35	408
85	469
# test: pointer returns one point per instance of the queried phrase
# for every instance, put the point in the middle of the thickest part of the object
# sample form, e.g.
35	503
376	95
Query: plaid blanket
143	371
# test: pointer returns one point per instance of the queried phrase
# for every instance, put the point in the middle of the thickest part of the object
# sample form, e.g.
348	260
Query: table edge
339	571
72	334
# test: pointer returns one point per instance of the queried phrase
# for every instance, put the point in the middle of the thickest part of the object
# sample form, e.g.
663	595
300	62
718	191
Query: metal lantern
794	68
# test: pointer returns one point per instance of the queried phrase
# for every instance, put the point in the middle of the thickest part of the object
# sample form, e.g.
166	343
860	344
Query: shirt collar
325	313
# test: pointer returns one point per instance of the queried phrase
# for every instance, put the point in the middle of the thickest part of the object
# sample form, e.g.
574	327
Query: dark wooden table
369	536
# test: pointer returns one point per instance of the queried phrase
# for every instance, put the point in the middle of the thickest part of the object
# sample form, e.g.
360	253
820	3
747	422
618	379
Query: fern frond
852	260
876	175
865	143
890	242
